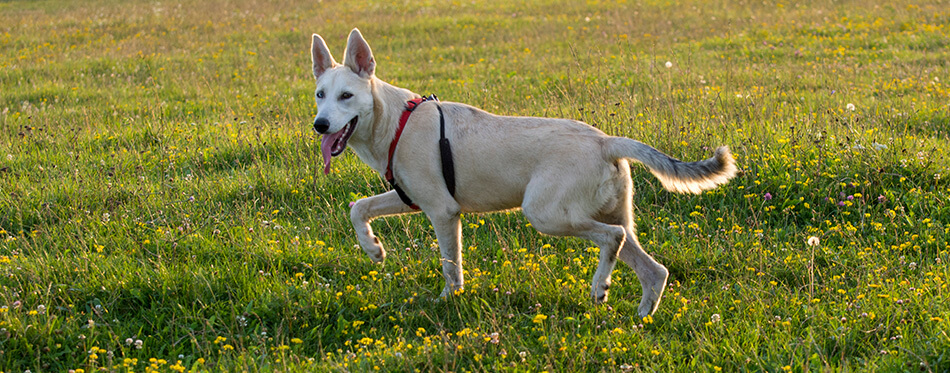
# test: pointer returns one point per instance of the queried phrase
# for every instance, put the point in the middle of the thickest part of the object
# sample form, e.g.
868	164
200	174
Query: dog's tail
676	175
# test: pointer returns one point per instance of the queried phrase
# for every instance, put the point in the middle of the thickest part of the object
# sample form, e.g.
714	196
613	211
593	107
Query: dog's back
497	156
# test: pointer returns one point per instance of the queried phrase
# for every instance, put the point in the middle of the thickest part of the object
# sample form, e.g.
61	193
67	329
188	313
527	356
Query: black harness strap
445	151
402	195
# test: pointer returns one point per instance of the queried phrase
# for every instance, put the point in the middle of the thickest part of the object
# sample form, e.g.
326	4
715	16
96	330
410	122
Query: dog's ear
322	60
358	56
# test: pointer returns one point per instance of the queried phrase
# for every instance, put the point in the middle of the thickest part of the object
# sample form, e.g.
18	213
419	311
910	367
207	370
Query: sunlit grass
162	205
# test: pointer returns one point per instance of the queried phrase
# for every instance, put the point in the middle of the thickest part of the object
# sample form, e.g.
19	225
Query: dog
567	177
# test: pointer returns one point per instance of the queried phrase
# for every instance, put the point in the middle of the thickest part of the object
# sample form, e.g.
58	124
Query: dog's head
344	93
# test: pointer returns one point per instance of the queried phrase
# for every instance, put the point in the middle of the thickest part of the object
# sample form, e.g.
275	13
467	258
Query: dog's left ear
358	56
322	60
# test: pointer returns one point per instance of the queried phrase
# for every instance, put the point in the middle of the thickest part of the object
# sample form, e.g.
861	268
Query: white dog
569	179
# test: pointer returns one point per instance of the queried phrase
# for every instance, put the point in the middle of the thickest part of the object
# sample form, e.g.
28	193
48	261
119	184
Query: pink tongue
326	148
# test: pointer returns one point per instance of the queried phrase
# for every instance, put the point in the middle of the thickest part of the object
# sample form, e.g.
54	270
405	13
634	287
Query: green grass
159	182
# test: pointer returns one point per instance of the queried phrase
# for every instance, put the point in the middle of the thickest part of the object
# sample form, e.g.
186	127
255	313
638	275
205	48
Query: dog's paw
653	286
374	249
647	306
599	292
451	291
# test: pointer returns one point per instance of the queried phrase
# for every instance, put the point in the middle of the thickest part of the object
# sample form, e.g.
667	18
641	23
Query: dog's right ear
322	60
358	56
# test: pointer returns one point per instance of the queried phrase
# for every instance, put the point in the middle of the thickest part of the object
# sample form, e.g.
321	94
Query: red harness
448	166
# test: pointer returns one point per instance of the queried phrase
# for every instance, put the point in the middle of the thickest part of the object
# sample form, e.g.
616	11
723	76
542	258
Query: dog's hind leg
610	238
652	274
550	219
367	209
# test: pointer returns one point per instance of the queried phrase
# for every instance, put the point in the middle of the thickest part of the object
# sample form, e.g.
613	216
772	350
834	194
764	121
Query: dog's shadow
487	308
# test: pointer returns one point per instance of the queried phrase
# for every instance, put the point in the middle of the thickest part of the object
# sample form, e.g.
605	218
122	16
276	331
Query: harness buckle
414	103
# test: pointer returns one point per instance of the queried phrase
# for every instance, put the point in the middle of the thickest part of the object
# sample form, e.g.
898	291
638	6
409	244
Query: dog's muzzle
321	125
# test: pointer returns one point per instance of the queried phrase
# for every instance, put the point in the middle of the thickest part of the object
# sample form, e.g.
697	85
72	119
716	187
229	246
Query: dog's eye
320	94
346	95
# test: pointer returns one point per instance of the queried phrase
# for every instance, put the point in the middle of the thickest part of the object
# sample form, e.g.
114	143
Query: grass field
162	205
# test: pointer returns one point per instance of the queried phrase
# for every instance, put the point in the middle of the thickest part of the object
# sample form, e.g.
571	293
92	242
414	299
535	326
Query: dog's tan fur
569	179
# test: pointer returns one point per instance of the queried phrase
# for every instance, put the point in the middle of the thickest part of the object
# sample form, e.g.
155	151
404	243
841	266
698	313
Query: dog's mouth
334	144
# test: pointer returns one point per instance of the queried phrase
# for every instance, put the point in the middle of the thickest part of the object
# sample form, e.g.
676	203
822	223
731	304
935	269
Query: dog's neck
388	104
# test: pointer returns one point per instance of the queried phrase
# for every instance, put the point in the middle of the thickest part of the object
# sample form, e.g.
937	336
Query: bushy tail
676	175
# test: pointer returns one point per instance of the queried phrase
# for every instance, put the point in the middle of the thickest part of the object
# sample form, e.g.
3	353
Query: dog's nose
321	125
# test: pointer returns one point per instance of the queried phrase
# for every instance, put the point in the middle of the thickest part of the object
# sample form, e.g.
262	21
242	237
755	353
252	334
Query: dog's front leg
367	209
448	230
